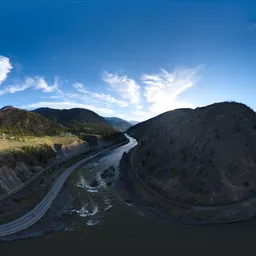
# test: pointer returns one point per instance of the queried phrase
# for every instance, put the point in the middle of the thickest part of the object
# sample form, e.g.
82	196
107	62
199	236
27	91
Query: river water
102	218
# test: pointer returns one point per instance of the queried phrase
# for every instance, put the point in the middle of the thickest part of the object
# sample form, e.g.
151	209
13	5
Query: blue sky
131	59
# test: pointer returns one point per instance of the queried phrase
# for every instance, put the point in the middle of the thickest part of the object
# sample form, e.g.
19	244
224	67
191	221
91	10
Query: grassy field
8	144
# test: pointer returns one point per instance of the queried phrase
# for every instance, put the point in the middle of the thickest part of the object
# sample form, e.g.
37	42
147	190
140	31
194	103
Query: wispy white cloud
52	97
141	115
163	89
99	96
41	84
127	88
37	83
80	87
5	68
68	105
27	83
108	98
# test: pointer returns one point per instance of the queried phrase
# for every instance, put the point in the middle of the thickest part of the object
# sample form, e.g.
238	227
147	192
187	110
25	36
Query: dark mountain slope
203	156
161	121
16	121
78	120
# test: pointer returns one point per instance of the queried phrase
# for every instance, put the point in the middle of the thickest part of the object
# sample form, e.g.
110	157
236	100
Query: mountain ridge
204	156
77	120
118	123
17	121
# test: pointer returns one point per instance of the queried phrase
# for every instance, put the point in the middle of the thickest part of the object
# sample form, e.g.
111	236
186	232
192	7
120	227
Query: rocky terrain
200	157
17	167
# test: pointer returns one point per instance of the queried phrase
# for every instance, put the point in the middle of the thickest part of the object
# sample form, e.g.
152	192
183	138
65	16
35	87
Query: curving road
40	209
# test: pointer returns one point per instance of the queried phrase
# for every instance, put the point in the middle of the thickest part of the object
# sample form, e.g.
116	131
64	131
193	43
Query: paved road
40	209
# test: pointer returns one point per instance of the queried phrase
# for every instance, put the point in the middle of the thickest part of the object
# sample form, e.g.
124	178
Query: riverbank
54	219
33	216
22	202
125	225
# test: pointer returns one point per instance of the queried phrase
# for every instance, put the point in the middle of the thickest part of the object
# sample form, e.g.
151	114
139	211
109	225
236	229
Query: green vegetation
8	144
116	137
27	160
78	120
30	142
41	154
32	156
81	127
91	139
18	122
20	203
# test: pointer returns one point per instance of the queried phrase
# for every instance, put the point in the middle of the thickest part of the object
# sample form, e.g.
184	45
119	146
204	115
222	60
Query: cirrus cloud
163	89
41	84
125	87
157	92
99	96
37	83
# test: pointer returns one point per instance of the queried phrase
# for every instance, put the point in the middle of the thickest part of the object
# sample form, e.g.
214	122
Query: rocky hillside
18	166
118	123
205	156
18	122
77	120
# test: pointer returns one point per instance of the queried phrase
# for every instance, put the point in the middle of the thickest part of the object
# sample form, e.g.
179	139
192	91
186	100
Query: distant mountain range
47	121
77	120
133	122
118	123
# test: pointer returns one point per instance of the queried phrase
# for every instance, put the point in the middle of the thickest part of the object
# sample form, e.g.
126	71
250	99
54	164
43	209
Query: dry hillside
204	156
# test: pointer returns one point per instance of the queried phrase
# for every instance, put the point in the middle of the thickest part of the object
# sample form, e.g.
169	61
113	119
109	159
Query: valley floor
13	205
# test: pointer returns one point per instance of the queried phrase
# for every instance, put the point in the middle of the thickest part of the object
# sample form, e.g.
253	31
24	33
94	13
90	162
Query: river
102	218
